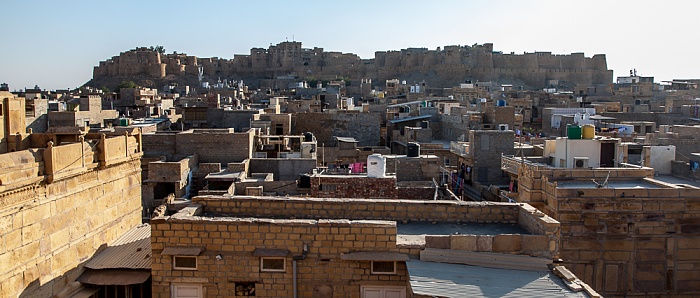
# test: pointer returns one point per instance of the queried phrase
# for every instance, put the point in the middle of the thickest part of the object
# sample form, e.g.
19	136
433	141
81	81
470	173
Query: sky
56	44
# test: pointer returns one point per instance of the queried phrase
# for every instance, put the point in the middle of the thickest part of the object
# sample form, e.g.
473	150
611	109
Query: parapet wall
396	210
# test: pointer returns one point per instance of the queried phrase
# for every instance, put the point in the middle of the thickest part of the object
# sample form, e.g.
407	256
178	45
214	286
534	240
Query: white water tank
376	166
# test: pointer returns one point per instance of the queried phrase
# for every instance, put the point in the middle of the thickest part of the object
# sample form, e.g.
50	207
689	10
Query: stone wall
239	120
283	169
485	149
350	186
211	145
396	210
364	127
48	230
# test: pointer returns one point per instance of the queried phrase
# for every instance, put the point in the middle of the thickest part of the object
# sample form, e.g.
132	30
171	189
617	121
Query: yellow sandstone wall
49	230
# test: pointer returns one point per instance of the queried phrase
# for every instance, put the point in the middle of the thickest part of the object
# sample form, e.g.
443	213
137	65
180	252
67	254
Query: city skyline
56	45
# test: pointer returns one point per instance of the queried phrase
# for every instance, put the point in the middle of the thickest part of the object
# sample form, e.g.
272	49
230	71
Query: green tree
126	84
158	49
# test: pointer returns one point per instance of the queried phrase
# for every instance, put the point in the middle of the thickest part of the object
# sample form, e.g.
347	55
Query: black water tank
304	181
413	149
308	137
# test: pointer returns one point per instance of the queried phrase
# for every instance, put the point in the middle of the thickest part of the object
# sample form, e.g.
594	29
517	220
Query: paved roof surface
454	280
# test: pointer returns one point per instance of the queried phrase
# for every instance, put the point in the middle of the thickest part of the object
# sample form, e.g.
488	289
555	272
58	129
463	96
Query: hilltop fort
442	67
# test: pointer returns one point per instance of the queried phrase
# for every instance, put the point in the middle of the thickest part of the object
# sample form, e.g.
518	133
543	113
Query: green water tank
573	132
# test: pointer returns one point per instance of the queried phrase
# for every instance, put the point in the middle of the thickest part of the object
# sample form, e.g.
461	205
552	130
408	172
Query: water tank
501	103
588	131
308	137
413	149
304	181
376	166
123	121
573	132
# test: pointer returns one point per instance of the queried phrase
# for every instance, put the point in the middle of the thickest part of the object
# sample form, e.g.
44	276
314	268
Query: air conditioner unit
503	127
580	162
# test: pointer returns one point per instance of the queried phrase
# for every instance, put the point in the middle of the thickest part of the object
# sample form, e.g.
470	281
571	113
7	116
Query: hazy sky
56	44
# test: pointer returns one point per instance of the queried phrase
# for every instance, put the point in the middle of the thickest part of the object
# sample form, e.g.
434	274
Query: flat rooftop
414	233
677	181
611	184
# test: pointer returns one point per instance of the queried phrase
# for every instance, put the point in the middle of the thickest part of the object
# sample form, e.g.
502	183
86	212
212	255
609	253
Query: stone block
688	242
688	255
531	243
619	245
31	233
440	242
484	243
507	243
463	242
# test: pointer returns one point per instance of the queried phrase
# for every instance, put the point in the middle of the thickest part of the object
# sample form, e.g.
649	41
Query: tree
158	49
126	84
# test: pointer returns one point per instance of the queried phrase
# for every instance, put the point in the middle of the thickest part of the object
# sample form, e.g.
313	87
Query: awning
264	252
182	251
374	256
114	277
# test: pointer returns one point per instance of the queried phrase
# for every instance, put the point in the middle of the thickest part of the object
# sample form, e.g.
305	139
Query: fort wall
452	64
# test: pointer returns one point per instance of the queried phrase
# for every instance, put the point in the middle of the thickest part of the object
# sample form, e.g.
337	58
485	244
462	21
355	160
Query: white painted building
583	153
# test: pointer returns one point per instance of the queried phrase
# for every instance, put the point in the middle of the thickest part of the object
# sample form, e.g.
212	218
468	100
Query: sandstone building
62	197
623	229
224	246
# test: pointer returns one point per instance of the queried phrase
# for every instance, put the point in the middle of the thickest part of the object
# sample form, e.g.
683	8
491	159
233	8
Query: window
184	263
383	267
272	264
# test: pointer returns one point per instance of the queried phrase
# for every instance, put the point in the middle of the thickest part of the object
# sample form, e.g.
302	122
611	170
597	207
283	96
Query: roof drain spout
304	252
